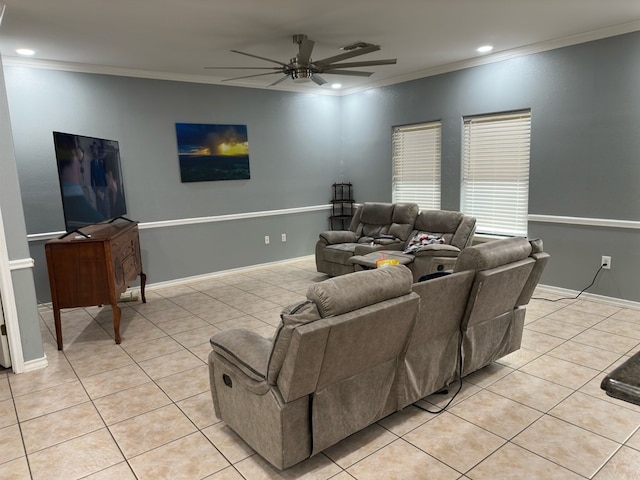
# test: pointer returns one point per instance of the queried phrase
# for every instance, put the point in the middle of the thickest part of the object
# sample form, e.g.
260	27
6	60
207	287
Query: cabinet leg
143	282
56	317
116	322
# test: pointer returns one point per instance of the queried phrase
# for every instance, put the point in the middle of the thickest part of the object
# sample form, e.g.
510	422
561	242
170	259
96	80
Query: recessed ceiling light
27	52
336	85
485	49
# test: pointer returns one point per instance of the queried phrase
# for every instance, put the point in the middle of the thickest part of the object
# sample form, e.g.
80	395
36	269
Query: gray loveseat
367	344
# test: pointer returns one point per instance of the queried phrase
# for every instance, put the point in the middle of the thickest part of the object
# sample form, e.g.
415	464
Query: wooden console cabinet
93	266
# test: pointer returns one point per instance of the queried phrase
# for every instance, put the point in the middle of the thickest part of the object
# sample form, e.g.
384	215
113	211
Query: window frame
417	164
496	157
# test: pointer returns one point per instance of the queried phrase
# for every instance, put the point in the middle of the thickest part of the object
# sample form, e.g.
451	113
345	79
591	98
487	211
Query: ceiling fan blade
279	80
318	80
304	52
261	58
349	54
355	73
248	76
243	68
359	64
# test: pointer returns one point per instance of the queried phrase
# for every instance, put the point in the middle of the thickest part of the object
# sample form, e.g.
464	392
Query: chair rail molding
36	237
591	222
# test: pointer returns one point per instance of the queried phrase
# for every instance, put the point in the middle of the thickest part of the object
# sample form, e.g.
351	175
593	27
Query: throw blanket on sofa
422	239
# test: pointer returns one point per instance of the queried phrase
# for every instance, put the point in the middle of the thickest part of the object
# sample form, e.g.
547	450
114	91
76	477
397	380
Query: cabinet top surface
97	232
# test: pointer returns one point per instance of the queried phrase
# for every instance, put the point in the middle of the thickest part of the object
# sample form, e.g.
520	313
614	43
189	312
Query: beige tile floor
143	410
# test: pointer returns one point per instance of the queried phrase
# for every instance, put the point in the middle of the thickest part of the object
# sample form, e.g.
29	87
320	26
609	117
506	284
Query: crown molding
621	29
585	37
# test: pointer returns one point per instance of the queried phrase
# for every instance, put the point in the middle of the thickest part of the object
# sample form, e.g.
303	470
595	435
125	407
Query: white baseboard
616	302
220	273
36	364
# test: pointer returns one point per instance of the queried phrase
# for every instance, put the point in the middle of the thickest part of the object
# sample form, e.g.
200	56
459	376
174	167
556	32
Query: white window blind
495	172
416	165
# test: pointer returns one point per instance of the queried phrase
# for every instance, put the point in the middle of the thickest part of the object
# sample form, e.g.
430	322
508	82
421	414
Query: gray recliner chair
329	371
474	315
507	272
375	226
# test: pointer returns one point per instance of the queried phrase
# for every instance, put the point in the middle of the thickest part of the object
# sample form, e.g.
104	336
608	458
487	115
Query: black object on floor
624	382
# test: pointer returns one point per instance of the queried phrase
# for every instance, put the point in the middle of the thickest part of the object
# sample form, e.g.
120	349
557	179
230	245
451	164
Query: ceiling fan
302	68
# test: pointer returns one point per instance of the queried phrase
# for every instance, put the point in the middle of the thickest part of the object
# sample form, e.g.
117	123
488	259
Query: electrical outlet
266	240
284	237
606	262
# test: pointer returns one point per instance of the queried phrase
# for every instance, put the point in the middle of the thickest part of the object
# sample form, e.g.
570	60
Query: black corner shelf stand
342	205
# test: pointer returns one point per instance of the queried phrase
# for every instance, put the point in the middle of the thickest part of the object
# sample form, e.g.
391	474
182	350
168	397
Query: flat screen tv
90	179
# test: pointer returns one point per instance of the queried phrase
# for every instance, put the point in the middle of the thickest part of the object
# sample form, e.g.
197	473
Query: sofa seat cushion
339	253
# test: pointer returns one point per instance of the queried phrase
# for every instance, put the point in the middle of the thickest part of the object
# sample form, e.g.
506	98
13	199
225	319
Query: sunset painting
212	152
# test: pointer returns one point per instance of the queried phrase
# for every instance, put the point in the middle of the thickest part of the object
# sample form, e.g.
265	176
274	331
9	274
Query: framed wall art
212	152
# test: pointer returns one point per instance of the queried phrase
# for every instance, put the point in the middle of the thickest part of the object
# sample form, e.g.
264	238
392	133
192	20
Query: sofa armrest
437	250
338	236
245	349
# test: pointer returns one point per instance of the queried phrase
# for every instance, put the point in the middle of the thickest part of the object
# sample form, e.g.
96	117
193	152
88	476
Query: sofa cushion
404	215
438	221
290	318
356	290
377	213
492	254
339	253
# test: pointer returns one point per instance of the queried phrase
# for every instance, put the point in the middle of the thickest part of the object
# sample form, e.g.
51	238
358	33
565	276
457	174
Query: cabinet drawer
123	248
130	268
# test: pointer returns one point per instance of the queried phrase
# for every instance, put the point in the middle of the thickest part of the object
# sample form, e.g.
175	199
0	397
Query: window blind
416	165
495	177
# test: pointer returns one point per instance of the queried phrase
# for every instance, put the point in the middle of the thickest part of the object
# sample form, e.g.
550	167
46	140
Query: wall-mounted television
90	179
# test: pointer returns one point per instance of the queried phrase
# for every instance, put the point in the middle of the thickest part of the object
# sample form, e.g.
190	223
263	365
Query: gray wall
294	158
585	147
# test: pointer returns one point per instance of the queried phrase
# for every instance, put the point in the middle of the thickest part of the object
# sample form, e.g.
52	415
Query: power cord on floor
572	298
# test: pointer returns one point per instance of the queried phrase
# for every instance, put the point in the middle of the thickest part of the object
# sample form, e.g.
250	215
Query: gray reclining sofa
367	344
374	226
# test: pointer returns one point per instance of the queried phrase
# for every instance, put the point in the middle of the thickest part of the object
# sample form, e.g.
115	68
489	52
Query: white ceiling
176	39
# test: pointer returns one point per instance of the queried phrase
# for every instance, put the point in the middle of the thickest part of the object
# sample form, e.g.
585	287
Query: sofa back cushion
463	237
346	293
375	219
493	254
440	223
404	217
300	343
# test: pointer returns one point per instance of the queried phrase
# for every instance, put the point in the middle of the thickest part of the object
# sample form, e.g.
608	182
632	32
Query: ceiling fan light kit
302	69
